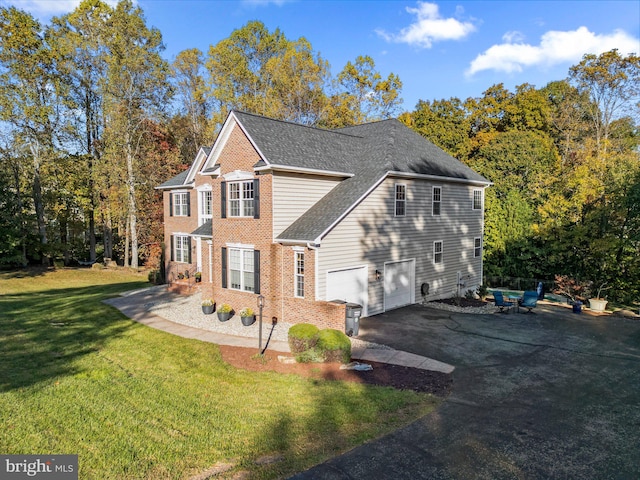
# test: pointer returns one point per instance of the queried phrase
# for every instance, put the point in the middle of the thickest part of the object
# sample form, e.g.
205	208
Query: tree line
93	117
565	166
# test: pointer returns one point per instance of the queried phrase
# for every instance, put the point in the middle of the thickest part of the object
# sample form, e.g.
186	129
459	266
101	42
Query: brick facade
277	265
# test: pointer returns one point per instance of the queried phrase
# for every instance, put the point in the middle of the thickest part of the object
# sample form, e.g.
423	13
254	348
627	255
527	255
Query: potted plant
198	277
598	304
247	316
573	289
225	312
208	306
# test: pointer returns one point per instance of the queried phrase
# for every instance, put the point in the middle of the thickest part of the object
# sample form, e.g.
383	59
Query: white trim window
241	269
477	247
241	199
437	252
477	199
180	204
181	248
401	200
299	274
437	201
206	205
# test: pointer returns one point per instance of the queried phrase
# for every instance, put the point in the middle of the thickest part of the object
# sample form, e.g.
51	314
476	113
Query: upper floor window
206	209
179	204
437	252
437	200
477	199
299	274
477	247
241	199
401	200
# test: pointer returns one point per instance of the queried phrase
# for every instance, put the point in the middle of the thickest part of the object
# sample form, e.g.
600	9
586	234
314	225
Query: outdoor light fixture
378	274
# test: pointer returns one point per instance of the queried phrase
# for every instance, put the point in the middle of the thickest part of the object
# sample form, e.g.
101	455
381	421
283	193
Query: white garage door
399	284
349	285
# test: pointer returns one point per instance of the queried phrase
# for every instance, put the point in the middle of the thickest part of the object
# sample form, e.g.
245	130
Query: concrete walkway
135	305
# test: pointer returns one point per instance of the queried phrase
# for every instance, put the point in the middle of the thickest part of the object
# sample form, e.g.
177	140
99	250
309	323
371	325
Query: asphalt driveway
553	395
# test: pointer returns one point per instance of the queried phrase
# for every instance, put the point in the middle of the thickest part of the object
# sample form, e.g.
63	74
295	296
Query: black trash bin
352	319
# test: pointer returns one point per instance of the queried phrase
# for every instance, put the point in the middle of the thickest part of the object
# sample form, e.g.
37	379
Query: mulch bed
463	302
396	376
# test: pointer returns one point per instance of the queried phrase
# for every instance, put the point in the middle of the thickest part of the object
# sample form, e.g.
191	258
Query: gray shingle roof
368	151
204	230
175	182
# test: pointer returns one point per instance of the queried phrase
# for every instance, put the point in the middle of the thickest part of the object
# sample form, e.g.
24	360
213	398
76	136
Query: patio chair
529	300
500	303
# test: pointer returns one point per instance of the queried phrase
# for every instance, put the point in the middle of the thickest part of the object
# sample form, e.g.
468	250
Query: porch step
183	287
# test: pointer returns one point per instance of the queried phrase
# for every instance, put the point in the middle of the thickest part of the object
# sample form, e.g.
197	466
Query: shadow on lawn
44	333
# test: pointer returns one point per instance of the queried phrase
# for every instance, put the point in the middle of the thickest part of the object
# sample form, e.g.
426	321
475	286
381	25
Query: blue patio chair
500	303
529	300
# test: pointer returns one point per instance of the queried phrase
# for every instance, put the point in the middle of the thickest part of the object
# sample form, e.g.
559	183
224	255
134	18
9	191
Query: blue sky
439	49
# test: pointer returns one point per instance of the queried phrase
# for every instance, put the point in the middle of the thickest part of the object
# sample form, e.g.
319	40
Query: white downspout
210	243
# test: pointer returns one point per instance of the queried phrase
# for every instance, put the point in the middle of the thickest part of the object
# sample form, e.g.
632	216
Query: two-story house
373	214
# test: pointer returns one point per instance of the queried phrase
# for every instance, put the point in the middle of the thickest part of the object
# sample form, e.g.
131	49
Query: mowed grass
76	376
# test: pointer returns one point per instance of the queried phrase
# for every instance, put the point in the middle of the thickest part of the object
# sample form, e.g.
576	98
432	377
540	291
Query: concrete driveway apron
545	396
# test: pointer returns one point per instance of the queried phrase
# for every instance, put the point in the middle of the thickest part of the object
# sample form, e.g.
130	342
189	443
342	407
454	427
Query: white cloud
429	27
555	47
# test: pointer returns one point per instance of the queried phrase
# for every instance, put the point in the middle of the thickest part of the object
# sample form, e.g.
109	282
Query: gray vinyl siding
294	194
372	235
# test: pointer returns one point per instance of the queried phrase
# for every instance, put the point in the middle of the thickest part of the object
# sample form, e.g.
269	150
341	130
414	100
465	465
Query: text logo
44	467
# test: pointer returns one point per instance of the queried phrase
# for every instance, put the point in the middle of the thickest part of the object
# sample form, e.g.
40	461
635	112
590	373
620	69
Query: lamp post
260	306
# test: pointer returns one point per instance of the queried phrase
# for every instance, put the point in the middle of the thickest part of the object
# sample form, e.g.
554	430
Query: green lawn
76	376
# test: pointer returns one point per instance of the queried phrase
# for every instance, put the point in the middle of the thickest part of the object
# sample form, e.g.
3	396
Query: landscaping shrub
303	337
310	356
334	346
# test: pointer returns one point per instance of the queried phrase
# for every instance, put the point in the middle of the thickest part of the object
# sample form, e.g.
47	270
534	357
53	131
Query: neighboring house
372	214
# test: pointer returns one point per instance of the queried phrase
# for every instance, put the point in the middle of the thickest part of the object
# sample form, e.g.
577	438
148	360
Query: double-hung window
437	200
241	269
299	274
437	252
477	199
180	204
181	248
401	200
241	198
477	247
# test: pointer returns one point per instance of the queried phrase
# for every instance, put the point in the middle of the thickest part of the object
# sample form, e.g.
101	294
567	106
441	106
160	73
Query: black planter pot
208	309
223	317
247	321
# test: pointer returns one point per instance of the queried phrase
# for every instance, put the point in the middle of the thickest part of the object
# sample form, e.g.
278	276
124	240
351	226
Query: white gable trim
201	156
318	240
229	124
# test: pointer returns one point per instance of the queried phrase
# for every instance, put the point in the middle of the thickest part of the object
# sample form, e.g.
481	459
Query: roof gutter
291	169
439	178
174	187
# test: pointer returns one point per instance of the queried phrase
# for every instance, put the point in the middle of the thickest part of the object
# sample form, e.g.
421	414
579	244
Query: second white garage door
399	284
349	285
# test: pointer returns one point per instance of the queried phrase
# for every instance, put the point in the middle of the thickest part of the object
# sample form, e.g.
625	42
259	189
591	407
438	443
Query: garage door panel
398	284
348	285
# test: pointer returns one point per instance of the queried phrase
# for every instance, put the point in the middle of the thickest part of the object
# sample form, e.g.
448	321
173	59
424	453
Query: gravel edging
187	311
484	310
